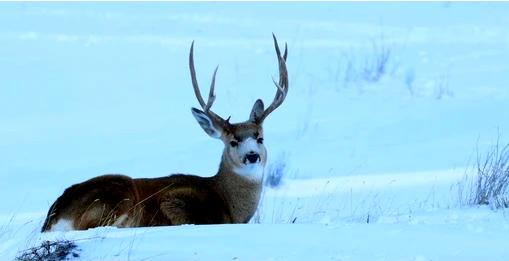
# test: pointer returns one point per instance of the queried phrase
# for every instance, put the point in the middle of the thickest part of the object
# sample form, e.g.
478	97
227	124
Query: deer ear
206	123
257	111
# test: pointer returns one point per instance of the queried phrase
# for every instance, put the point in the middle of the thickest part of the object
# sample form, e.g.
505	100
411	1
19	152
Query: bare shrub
491	185
350	74
409	81
367	67
441	88
375	65
50	251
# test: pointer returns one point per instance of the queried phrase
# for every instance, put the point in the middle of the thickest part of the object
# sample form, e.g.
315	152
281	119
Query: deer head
244	152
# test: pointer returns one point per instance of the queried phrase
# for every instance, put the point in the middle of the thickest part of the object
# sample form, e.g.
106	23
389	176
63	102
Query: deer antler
212	97
282	85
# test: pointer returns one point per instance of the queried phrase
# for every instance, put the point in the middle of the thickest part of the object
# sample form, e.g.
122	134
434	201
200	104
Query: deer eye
259	140
234	143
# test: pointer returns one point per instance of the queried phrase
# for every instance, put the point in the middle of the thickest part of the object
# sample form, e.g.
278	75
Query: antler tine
197	92
212	96
286	51
282	85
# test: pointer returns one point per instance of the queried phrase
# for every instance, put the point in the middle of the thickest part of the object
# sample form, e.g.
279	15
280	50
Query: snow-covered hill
387	106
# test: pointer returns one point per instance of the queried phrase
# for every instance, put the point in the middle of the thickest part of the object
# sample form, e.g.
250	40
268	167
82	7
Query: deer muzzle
251	158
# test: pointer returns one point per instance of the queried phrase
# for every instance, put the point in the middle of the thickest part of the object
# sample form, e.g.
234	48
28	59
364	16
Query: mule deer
231	196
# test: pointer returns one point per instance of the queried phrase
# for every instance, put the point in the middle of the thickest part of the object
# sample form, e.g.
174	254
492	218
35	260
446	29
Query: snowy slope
343	241
371	164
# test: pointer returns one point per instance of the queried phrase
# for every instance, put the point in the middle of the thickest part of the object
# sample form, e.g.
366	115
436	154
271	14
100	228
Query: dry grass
491	185
50	251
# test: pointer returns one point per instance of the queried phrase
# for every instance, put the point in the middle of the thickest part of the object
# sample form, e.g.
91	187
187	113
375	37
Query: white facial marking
62	225
248	145
252	172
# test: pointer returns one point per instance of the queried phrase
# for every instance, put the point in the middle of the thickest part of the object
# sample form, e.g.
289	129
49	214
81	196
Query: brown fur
172	200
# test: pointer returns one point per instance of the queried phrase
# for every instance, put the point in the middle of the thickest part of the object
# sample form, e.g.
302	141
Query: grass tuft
50	251
491	184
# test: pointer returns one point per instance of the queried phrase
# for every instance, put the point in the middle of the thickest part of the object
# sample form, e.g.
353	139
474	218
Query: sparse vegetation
410	81
491	183
370	67
50	251
275	172
375	65
441	88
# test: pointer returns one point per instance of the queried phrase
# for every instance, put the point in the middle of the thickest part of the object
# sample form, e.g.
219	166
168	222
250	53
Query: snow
295	242
373	168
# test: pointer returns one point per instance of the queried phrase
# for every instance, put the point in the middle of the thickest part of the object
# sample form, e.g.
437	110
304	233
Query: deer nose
252	157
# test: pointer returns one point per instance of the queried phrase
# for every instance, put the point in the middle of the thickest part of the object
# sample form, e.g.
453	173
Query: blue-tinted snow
93	88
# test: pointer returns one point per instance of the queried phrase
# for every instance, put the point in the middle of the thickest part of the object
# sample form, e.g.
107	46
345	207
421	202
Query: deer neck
240	191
